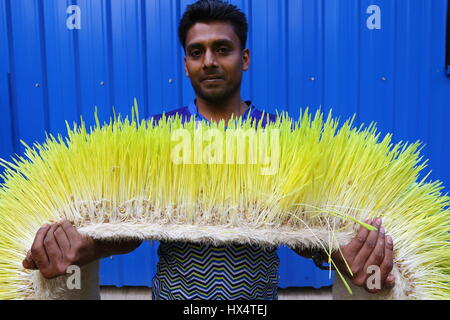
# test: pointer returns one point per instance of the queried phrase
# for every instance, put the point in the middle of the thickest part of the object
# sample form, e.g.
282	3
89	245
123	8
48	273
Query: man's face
214	60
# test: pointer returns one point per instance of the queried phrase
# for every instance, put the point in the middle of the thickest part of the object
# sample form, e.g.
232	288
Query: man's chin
214	97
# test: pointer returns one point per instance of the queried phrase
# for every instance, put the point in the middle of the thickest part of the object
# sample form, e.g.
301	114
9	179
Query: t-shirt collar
199	117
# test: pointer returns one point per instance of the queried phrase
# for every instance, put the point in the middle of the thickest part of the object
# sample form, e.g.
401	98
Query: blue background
304	53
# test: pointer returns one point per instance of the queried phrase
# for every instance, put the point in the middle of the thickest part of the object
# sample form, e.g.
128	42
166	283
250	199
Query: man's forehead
208	33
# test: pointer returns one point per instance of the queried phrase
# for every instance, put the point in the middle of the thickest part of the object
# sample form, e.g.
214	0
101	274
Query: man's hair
213	10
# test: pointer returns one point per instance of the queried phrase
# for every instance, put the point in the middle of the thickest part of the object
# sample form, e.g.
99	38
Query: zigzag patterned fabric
203	272
235	272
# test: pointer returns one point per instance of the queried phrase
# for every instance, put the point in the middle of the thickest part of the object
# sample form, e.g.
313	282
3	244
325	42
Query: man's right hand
58	246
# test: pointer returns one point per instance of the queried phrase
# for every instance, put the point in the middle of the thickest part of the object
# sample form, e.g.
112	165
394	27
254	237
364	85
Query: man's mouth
212	79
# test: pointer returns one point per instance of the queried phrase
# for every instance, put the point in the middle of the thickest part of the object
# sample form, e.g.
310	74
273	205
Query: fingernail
389	239
390	278
382	230
378	221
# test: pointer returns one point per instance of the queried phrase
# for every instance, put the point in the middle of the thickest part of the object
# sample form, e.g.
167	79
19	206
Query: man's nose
210	59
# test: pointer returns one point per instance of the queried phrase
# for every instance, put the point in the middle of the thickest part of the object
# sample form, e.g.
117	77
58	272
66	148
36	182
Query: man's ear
245	59
185	68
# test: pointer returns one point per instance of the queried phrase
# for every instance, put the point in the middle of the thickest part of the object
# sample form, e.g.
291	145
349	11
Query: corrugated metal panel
304	53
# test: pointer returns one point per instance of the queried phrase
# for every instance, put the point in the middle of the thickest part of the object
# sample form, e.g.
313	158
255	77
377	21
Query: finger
51	246
377	255
390	282
38	252
69	229
62	240
366	250
357	242
373	264
388	261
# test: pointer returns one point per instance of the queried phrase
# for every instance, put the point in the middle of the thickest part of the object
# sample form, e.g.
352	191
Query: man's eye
223	50
195	53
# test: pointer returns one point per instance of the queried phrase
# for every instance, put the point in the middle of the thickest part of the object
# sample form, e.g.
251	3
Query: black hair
213	10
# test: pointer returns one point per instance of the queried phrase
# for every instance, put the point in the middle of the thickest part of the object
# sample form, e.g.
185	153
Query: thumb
28	262
390	282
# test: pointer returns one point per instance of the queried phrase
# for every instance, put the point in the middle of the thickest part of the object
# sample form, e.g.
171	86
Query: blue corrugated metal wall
381	59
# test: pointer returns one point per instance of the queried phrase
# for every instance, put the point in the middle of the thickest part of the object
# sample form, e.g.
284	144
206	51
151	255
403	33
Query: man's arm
308	254
60	245
109	248
367	248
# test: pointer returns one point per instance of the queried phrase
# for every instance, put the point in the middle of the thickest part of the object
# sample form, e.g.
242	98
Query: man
213	34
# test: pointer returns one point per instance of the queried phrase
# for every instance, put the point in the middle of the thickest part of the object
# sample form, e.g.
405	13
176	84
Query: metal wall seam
448	39
94	73
144	104
126	55
7	137
63	102
154	70
27	78
188	93
295	73
439	104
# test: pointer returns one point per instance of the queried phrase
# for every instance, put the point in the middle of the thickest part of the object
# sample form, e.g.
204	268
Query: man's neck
234	106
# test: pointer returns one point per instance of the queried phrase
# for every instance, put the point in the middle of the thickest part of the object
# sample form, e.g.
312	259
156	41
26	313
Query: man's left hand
367	251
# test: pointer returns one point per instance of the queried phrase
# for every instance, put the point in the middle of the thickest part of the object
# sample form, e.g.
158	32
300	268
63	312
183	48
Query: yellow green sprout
307	184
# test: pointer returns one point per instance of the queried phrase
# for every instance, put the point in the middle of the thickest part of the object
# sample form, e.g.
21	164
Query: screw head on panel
102	83
170	80
312	78
383	78
37	85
